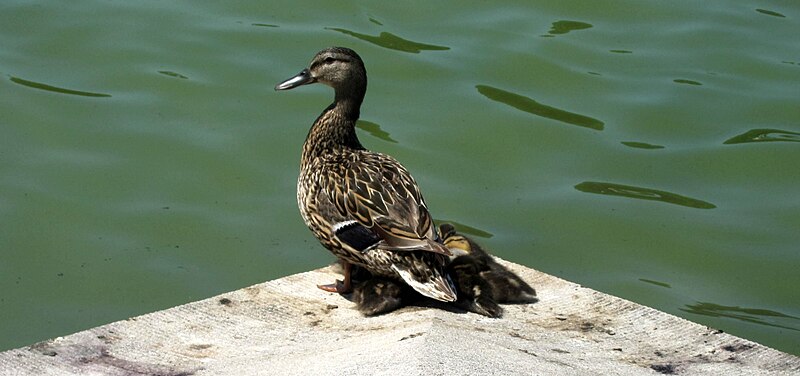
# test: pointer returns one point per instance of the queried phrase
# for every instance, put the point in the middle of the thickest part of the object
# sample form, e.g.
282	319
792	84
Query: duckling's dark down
481	282
472	263
374	295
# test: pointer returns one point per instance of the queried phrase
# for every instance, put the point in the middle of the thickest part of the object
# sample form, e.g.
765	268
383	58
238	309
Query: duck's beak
302	78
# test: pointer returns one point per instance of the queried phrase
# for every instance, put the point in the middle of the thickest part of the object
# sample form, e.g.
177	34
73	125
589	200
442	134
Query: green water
646	149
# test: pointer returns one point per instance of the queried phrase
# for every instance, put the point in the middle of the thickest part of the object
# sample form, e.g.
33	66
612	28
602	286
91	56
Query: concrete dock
289	327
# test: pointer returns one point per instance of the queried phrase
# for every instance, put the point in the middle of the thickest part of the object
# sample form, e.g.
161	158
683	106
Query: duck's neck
334	129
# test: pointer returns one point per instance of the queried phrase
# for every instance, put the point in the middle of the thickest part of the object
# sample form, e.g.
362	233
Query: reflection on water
391	41
621	51
469	230
687	82
657	283
374	130
61	90
770	13
531	106
564	26
763	135
612	189
641	145
753	315
264	25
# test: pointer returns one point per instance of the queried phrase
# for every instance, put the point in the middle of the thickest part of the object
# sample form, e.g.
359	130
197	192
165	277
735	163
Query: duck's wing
376	191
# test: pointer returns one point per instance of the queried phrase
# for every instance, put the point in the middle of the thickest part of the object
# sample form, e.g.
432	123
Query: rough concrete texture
289	327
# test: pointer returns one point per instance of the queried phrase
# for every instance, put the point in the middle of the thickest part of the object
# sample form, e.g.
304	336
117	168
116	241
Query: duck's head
338	67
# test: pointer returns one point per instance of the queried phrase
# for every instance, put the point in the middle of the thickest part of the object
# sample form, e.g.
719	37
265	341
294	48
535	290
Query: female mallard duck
363	206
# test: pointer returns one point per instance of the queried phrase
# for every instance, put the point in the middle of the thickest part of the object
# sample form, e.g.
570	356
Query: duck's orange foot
337	287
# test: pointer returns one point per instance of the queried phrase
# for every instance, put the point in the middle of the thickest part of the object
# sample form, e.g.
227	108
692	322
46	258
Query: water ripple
687	82
391	41
564	26
526	104
641	145
375	130
753	315
657	283
770	13
173	74
763	135
55	89
629	191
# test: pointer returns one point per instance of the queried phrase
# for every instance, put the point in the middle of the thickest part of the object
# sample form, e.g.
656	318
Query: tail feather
433	284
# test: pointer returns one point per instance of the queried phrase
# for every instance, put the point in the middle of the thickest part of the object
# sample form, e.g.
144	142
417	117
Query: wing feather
378	192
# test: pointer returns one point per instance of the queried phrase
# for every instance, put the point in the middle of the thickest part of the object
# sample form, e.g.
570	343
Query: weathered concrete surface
289	327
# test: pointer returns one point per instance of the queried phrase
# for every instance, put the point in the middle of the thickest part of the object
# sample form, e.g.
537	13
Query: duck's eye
329	60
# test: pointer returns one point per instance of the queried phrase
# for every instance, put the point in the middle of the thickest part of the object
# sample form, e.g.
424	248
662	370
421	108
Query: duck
363	206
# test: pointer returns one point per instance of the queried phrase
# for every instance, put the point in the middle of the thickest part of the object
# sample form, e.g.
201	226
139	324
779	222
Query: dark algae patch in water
763	135
55	89
528	105
391	41
629	191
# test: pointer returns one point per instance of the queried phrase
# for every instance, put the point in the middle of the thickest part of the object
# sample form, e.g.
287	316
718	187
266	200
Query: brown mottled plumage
363	206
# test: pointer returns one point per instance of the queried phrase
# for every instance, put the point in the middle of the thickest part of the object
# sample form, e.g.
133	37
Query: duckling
363	206
474	266
475	294
378	295
481	283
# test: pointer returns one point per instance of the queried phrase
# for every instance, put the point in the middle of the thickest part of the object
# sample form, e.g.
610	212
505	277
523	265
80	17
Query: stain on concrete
667	369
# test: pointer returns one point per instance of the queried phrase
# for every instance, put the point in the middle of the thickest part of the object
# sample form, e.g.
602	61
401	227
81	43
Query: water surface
146	161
